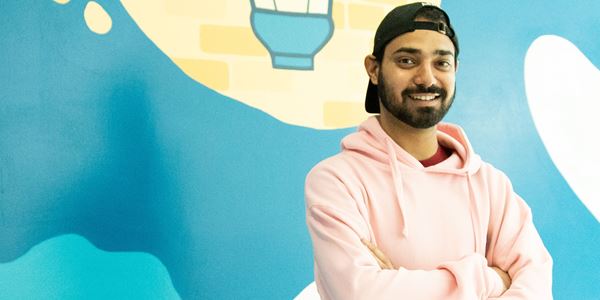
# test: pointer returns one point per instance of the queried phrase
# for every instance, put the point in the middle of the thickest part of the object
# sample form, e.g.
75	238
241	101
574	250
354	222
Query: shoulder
492	173
333	180
337	166
498	184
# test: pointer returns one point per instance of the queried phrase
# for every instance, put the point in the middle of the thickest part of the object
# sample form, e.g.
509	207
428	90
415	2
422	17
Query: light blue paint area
104	137
70	267
292	39
286	61
492	107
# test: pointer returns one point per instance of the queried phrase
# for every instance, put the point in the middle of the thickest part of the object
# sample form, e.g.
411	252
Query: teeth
424	97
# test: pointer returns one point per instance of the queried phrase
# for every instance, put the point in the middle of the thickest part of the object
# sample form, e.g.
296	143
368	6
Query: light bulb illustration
293	31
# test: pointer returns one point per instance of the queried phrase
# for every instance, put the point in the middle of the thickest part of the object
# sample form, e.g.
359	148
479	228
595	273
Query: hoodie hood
373	142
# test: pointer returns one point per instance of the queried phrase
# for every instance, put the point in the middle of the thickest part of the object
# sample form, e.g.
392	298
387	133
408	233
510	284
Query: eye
444	64
406	62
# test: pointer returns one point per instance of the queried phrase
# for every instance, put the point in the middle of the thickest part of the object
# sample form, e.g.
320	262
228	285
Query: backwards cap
399	21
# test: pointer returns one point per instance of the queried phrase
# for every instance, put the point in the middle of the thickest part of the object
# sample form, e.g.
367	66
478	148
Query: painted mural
157	149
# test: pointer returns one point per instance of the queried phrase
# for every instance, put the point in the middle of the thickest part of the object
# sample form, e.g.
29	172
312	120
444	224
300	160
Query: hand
382	259
505	278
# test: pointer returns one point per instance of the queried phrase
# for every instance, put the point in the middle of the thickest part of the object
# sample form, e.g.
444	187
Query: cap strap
439	27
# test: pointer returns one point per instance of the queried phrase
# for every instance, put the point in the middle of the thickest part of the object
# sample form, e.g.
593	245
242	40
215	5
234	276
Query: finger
376	252
381	263
367	243
385	262
380	255
504	276
371	249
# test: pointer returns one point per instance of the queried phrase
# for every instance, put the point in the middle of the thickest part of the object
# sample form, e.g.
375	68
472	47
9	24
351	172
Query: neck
420	143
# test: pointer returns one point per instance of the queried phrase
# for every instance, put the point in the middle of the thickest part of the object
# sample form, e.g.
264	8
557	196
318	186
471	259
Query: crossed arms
516	264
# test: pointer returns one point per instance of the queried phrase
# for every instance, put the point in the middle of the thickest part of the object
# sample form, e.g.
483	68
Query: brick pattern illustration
213	42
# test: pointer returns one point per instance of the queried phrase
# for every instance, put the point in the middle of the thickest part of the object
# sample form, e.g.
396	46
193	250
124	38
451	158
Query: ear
456	67
372	68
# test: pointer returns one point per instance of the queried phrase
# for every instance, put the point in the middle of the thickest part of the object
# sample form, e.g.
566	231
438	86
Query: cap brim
372	99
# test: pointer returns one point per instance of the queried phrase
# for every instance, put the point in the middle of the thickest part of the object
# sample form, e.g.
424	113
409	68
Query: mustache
434	89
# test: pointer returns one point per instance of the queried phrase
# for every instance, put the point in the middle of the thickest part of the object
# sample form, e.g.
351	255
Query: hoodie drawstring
399	191
475	220
397	178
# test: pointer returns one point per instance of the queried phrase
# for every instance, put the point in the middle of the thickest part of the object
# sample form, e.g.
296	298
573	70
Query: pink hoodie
441	226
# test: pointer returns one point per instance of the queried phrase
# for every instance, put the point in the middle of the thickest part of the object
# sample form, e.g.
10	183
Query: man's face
416	78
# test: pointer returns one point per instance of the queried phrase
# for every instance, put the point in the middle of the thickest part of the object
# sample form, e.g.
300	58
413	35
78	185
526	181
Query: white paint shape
562	91
309	293
295	6
265	4
318	6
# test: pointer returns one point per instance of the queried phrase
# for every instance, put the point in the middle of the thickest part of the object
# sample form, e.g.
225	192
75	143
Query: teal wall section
103	140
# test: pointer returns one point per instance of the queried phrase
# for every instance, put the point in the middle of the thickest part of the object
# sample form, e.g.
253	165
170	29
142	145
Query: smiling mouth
424	97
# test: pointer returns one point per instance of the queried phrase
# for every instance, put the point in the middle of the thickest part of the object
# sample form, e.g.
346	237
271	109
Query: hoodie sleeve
514	245
345	269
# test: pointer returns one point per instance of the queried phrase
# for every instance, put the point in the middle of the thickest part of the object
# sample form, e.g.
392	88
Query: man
407	210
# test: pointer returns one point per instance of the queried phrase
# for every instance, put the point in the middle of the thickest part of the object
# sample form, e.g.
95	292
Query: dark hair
428	13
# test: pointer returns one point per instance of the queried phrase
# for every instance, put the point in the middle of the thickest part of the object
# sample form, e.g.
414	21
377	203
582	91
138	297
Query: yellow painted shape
365	16
225	55
338	14
96	18
62	1
395	3
198	9
348	45
230	40
212	73
338	114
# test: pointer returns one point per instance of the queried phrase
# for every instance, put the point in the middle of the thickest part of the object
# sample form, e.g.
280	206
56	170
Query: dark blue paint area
105	137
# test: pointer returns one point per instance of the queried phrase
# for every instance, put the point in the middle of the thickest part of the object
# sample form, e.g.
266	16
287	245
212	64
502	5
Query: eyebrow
444	52
418	51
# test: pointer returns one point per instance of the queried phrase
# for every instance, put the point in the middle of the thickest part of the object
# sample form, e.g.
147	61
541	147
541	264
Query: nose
425	76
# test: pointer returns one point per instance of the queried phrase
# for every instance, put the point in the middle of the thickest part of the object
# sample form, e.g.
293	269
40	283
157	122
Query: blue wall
103	140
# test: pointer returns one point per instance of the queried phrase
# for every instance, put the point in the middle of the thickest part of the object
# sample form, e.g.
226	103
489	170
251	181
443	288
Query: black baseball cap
399	21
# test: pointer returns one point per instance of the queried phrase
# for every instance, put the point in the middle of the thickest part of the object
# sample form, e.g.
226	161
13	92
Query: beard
417	117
